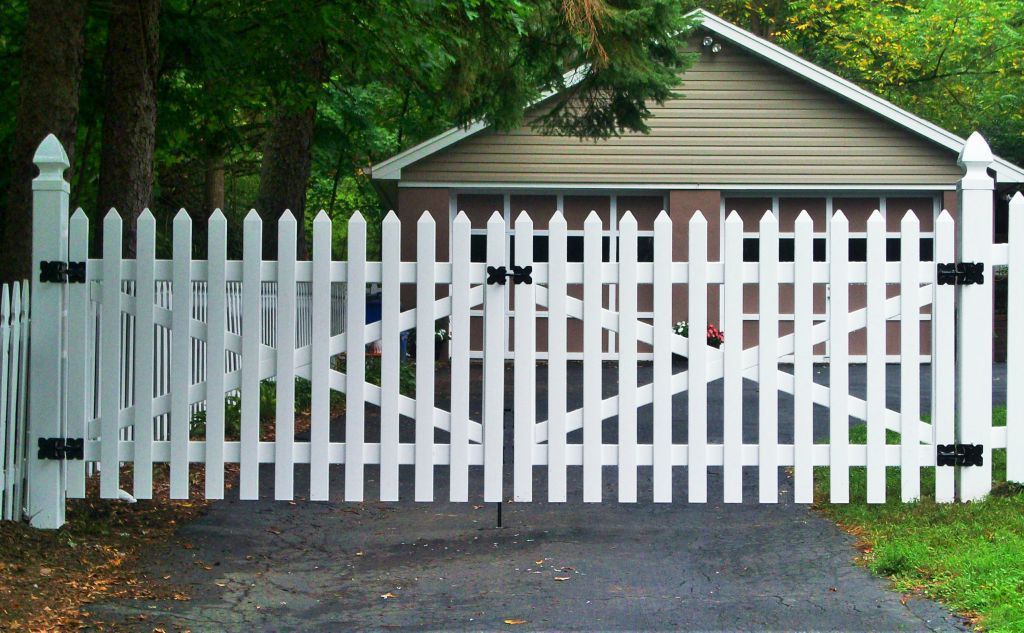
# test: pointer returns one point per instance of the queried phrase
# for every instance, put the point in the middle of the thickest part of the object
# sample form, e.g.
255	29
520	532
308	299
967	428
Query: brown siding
741	121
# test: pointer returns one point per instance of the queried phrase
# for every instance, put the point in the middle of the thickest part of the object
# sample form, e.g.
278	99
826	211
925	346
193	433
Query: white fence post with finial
50	198
974	316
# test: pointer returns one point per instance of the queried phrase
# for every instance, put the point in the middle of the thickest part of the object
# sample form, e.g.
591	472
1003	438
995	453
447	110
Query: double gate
562	413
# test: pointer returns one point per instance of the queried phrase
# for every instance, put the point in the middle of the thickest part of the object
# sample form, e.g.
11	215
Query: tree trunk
51	71
288	158
129	111
213	190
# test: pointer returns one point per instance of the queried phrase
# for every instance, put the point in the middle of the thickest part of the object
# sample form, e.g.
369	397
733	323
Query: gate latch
62	272
960	274
960	454
519	275
61	448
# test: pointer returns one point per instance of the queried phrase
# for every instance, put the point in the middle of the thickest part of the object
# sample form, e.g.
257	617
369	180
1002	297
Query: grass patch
969	556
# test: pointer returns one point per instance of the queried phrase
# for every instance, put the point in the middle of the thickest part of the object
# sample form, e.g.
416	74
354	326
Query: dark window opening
858	249
478	248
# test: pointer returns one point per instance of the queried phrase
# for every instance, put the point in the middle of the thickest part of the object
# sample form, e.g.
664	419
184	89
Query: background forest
277	104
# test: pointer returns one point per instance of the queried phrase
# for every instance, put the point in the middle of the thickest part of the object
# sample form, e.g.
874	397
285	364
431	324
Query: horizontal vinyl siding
742	121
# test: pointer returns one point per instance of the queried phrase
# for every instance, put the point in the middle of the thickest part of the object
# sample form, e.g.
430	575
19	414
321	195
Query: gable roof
1006	172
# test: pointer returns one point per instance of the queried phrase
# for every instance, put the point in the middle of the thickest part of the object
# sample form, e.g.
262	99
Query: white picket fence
14	319
120	419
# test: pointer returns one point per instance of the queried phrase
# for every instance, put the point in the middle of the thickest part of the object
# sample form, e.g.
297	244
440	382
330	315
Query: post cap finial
51	155
975	152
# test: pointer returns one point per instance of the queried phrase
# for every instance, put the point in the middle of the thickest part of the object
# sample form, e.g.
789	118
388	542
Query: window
787	249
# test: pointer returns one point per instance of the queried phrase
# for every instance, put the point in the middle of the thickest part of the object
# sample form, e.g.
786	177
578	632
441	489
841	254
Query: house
757	129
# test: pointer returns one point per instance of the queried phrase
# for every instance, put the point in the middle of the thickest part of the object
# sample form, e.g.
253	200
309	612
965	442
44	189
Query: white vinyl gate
145	419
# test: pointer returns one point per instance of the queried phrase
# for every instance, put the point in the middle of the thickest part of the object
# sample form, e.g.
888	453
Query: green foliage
966	555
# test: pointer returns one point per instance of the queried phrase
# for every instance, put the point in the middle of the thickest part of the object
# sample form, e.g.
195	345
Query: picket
253	326
627	358
525	367
425	336
8	454
767	366
494	364
110	356
181	354
7	427
592	302
662	370
839	371
216	320
943	361
460	335
732	383
79	384
557	290
142	487
355	361
876	343
697	345
391	247
1015	343
910	364
284	410
803	351
320	362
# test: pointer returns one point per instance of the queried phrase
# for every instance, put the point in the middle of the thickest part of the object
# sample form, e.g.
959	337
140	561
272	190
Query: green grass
969	556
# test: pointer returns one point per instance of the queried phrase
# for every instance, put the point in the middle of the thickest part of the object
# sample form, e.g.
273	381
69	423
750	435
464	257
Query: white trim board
605	188
1006	172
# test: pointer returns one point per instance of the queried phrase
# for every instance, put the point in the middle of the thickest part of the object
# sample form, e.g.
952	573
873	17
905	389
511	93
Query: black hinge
499	275
61	448
960	274
960	454
62	272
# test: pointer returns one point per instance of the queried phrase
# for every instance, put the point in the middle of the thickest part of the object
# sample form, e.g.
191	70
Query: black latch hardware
960	274
960	454
62	272
61	448
519	275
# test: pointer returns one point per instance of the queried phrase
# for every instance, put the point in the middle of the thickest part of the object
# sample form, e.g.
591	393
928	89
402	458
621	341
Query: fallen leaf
359	553
274	531
45	571
388	595
515	621
562	578
833	589
538	562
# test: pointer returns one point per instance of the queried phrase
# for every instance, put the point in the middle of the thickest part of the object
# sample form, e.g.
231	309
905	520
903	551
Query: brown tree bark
129	111
288	158
51	72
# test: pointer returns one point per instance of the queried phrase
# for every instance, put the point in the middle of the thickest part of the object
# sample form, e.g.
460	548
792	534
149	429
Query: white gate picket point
320	361
494	364
1014	343
592	300
556	439
145	289
284	414
910	362
662	381
839	376
355	359
732	384
697	403
252	334
525	367
10	445
425	342
768	368
181	354
110	355
875	369
216	298
803	353
460	335
391	253
943	361
627	358
79	342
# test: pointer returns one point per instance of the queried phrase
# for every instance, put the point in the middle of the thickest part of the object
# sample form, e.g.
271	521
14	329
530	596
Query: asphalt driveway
279	566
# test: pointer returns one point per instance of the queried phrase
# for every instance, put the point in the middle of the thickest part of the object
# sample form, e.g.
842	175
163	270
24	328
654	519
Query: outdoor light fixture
716	47
707	41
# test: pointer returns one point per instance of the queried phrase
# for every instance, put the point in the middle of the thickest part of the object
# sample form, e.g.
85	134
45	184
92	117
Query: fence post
50	198
974	316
